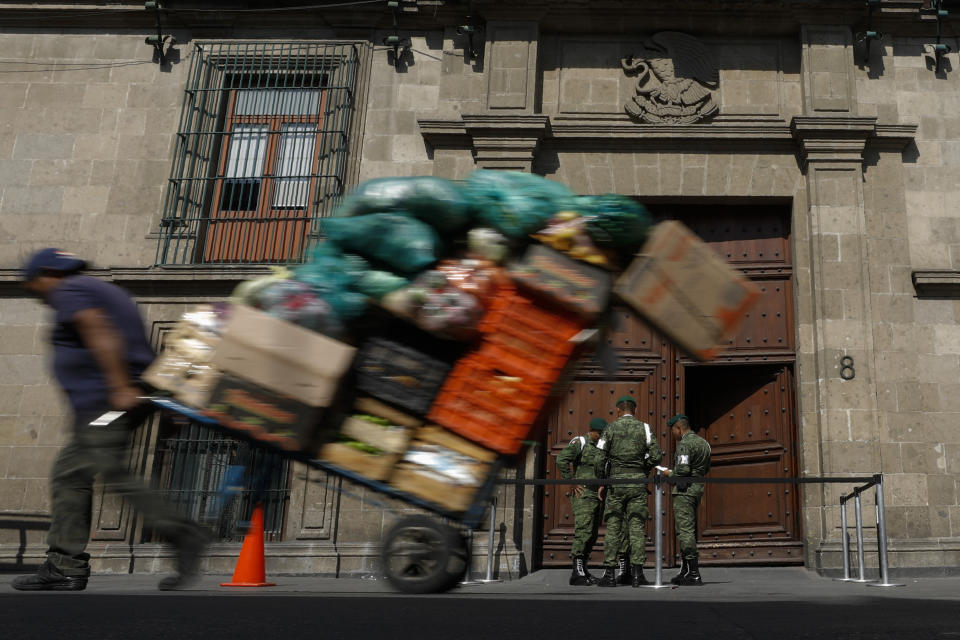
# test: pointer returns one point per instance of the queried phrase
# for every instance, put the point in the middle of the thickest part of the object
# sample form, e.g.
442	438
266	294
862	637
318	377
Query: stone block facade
865	153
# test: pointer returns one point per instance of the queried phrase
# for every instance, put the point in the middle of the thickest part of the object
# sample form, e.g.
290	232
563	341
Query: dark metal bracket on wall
158	41
869	34
400	46
939	50
474	25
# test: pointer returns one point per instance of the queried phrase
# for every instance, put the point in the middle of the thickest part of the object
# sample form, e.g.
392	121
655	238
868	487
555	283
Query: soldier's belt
618	468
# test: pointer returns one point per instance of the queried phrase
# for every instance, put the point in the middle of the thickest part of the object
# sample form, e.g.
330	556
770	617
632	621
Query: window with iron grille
261	153
216	480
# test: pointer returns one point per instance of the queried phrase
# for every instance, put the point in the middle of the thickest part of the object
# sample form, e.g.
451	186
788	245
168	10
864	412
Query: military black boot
684	570
609	578
49	578
692	579
592	578
580	577
623	570
636	572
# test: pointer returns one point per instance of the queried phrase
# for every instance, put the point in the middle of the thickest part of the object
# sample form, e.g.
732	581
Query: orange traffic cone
250	570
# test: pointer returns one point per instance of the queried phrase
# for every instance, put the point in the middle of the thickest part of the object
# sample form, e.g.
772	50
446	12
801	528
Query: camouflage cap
598	424
672	421
626	399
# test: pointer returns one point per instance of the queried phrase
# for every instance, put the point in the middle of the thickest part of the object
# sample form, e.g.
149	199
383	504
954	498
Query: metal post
493	523
882	539
844	540
859	513
468	576
658	533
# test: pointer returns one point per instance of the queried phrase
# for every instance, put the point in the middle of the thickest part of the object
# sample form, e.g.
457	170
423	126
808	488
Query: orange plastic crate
514	309
479	402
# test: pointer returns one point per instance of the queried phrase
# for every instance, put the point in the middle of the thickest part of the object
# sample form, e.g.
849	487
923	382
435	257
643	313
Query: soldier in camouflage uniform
630	449
692	459
623	570
577	460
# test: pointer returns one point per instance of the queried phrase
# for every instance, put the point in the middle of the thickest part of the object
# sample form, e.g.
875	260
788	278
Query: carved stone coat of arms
676	80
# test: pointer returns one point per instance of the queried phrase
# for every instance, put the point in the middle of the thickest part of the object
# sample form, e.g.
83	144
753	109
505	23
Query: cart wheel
422	555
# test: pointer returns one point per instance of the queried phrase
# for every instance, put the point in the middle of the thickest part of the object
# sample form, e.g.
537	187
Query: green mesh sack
398	240
516	204
334	276
440	203
615	221
377	284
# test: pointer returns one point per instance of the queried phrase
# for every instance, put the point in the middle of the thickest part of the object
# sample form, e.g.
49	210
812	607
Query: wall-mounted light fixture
938	49
869	34
158	41
473	25
399	46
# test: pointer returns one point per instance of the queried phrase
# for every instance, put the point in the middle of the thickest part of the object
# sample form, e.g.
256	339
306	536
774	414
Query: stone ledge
936	283
820	137
188	281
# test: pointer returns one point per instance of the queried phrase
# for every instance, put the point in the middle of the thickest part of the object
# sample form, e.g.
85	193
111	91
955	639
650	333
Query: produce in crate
371	441
488	244
567	232
185	367
442	468
262	414
571	284
399	374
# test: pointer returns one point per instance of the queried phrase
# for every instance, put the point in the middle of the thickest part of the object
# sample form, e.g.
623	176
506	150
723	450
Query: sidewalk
761	584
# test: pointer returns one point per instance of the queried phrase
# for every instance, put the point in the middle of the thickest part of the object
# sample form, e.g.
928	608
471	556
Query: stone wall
87	126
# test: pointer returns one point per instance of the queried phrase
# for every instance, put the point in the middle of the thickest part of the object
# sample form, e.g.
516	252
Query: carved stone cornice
515	138
499	141
893	137
158	283
832	138
936	283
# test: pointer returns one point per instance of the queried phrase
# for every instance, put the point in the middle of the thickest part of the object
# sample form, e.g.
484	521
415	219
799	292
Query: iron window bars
261	151
217	480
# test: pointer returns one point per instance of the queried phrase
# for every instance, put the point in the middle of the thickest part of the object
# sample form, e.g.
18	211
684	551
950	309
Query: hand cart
420	553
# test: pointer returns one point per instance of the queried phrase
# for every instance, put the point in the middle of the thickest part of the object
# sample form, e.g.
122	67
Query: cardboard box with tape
283	357
688	292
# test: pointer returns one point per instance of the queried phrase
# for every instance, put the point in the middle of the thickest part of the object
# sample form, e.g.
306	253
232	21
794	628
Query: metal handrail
659	479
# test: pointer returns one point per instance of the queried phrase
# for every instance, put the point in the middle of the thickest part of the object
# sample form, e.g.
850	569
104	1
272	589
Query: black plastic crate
399	374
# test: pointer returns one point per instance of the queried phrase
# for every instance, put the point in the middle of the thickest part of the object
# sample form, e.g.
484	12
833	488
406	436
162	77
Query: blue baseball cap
51	259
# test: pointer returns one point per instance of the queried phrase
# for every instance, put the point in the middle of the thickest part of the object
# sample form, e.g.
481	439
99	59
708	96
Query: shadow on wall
22	522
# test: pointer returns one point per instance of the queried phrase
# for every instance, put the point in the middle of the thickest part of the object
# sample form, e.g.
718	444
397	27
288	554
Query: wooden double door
743	401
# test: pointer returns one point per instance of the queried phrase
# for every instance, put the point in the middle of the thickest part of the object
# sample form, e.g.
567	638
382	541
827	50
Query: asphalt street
737	604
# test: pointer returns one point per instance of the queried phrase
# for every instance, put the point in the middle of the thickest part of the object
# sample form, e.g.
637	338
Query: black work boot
189	550
636	572
592	578
609	578
684	570
49	578
579	577
623	570
692	579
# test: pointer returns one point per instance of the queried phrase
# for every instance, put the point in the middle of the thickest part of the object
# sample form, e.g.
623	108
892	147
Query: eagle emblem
676	79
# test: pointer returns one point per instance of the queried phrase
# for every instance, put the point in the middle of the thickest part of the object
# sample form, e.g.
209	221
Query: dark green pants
586	522
626	515
99	450
685	518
